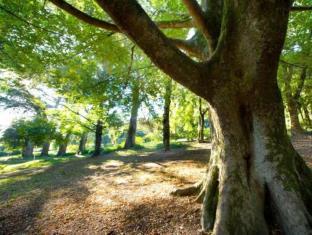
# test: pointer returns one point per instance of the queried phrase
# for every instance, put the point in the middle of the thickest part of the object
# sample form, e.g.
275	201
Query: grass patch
16	163
22	176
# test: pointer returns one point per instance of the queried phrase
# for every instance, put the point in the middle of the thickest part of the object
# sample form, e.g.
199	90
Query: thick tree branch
188	47
175	24
301	8
199	19
84	17
288	63
136	24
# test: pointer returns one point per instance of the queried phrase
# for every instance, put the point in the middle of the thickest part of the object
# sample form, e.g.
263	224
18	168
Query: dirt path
111	195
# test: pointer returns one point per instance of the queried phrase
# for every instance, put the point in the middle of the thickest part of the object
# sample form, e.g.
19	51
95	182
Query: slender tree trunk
45	149
130	141
201	126
82	143
210	126
98	138
201	122
166	116
28	150
292	99
294	117
307	116
63	146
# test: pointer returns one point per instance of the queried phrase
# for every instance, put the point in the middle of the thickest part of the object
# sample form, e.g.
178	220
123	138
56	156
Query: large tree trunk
28	149
82	143
130	141
166	116
98	138
256	180
45	149
253	165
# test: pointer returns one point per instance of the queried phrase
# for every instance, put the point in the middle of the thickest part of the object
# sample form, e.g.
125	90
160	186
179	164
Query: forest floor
111	194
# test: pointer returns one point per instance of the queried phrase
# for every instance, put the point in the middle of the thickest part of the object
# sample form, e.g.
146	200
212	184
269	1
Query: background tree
28	133
295	64
201	122
166	115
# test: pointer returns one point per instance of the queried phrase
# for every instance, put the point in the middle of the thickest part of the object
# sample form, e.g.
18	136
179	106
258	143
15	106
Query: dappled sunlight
129	194
97	195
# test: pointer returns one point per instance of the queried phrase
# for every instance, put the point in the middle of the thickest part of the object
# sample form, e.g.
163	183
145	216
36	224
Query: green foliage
15	94
184	113
37	130
93	72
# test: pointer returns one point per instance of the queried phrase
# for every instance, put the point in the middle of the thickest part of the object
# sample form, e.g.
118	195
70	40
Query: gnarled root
210	199
188	191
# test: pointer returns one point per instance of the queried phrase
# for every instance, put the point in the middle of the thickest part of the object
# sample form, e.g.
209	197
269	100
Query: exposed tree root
210	199
188	191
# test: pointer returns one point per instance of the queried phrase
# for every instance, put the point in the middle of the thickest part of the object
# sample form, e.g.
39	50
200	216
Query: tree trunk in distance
292	101
166	115
45	149
82	143
307	116
201	126
28	150
296	128
98	138
130	140
63	146
201	122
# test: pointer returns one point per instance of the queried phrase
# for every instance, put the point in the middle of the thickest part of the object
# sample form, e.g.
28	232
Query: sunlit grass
26	178
15	163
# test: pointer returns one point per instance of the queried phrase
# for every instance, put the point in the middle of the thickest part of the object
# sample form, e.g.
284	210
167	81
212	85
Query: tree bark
255	176
253	157
82	143
28	149
45	149
98	138
166	116
63	146
130	140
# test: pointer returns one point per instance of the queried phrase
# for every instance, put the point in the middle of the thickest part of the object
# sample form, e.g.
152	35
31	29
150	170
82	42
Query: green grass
27	177
17	163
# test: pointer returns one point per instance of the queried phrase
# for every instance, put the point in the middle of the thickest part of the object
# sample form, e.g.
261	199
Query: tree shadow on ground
169	216
35	189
